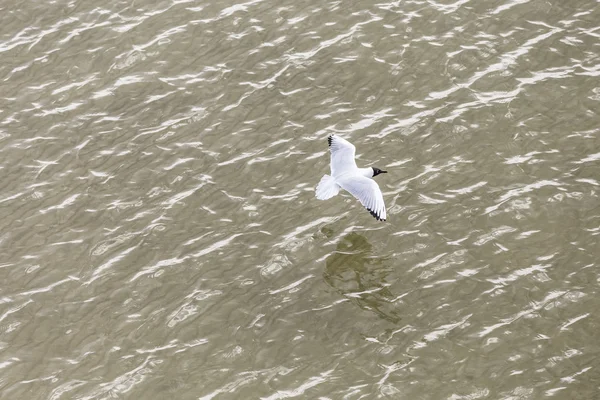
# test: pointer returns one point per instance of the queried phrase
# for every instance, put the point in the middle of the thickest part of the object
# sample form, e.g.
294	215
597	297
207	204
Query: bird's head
377	171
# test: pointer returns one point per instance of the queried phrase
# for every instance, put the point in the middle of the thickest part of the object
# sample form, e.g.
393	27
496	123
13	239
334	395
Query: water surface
159	234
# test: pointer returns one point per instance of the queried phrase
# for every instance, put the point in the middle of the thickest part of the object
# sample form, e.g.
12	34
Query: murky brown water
160	238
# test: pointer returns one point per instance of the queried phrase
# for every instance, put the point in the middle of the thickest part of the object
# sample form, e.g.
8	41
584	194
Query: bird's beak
383	172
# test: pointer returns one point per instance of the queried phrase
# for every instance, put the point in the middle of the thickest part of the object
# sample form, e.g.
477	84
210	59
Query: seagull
346	175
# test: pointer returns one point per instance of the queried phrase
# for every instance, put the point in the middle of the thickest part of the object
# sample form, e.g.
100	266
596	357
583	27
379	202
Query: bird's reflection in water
360	276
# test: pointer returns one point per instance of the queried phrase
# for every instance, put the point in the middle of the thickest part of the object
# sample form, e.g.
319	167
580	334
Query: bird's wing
342	155
367	192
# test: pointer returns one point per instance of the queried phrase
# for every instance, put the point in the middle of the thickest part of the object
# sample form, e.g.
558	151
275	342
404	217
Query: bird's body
346	175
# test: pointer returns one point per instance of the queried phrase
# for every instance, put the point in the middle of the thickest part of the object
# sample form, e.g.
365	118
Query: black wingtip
329	140
377	217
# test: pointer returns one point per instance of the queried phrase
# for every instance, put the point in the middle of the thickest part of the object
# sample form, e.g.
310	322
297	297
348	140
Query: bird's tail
327	188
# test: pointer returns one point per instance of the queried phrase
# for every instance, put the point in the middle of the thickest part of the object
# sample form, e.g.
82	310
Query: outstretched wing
367	192
342	155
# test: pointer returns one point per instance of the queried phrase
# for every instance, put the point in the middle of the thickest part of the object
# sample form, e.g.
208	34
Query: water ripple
160	233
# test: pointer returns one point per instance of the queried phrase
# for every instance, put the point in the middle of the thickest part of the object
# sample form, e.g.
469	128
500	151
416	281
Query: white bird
346	175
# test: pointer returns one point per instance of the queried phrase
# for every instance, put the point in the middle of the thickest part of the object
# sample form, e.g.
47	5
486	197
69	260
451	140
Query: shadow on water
360	276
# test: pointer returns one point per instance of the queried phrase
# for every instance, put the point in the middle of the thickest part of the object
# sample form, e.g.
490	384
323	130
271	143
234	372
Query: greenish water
159	233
